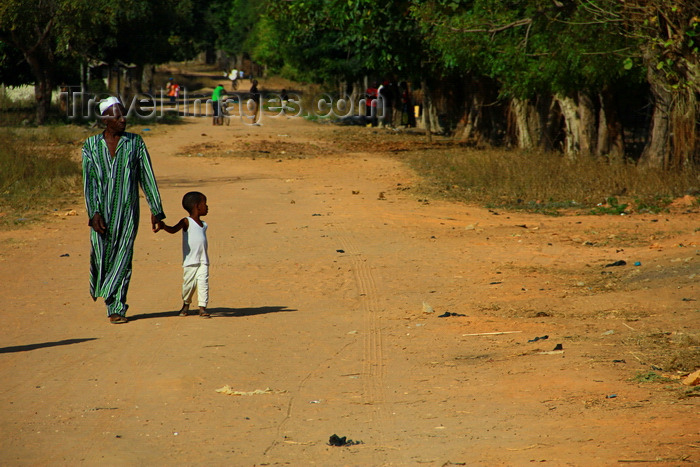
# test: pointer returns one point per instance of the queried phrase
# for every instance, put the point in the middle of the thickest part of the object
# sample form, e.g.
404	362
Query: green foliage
348	39
234	22
61	33
154	31
611	206
50	32
530	47
650	377
264	44
667	34
654	204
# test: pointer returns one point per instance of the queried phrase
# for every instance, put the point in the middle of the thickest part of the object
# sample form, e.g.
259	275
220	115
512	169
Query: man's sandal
118	319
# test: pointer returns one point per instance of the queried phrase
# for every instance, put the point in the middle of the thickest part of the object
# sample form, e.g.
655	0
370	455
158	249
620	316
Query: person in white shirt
233	76
195	261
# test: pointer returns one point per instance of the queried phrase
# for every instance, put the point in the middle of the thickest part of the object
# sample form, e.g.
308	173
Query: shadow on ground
220	312
42	345
263	310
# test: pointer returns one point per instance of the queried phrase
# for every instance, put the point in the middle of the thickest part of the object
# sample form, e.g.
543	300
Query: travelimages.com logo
236	105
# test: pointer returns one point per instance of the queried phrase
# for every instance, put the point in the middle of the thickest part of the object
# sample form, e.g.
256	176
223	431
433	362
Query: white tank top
194	244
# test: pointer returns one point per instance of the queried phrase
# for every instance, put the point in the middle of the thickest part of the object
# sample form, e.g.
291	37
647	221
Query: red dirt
322	260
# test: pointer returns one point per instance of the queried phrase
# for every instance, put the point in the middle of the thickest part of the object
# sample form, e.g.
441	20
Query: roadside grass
39	171
667	351
650	377
549	183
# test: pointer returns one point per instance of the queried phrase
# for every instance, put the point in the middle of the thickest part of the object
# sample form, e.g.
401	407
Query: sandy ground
321	266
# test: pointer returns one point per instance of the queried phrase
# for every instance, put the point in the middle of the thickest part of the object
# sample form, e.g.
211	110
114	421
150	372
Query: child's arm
182	225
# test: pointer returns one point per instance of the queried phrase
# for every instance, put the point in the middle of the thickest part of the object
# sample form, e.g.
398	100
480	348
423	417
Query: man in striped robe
115	163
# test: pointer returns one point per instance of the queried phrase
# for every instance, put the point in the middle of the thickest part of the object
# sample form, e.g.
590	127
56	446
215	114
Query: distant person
64	97
115	163
233	77
173	90
255	99
195	257
408	116
216	97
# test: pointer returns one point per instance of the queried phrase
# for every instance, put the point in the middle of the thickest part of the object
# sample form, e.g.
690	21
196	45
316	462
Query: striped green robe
111	189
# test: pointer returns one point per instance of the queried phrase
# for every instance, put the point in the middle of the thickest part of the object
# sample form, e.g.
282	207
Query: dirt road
323	268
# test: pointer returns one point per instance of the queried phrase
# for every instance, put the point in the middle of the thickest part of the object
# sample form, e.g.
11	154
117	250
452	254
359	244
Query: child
194	251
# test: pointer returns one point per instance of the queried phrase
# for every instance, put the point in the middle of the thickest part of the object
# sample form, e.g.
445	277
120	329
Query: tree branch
43	36
514	24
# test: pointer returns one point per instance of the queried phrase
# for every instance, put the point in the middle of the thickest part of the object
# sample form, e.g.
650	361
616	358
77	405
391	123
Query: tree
668	34
45	32
548	57
149	32
662	36
58	33
347	39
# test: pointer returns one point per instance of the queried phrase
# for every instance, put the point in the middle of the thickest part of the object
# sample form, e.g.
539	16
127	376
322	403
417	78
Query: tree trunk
427	105
572	124
610	135
147	78
43	85
588	139
684	125
432	115
656	152
551	138
472	118
526	123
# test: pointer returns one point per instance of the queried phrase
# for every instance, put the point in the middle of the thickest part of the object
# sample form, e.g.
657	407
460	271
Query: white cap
107	103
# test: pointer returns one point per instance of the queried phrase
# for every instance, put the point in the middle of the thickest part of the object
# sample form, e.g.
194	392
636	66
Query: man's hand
98	224
155	223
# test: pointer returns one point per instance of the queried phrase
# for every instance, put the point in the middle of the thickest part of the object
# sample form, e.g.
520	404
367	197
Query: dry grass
510	179
669	351
39	171
549	182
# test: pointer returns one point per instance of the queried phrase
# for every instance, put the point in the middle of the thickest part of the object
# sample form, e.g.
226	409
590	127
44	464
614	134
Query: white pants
196	277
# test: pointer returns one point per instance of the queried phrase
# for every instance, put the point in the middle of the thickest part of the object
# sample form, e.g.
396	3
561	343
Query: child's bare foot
185	308
203	312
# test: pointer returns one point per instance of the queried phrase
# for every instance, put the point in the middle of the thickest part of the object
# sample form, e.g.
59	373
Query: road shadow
160	314
42	345
238	312
219	312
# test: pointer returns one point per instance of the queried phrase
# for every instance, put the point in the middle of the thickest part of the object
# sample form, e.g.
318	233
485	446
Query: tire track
374	358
